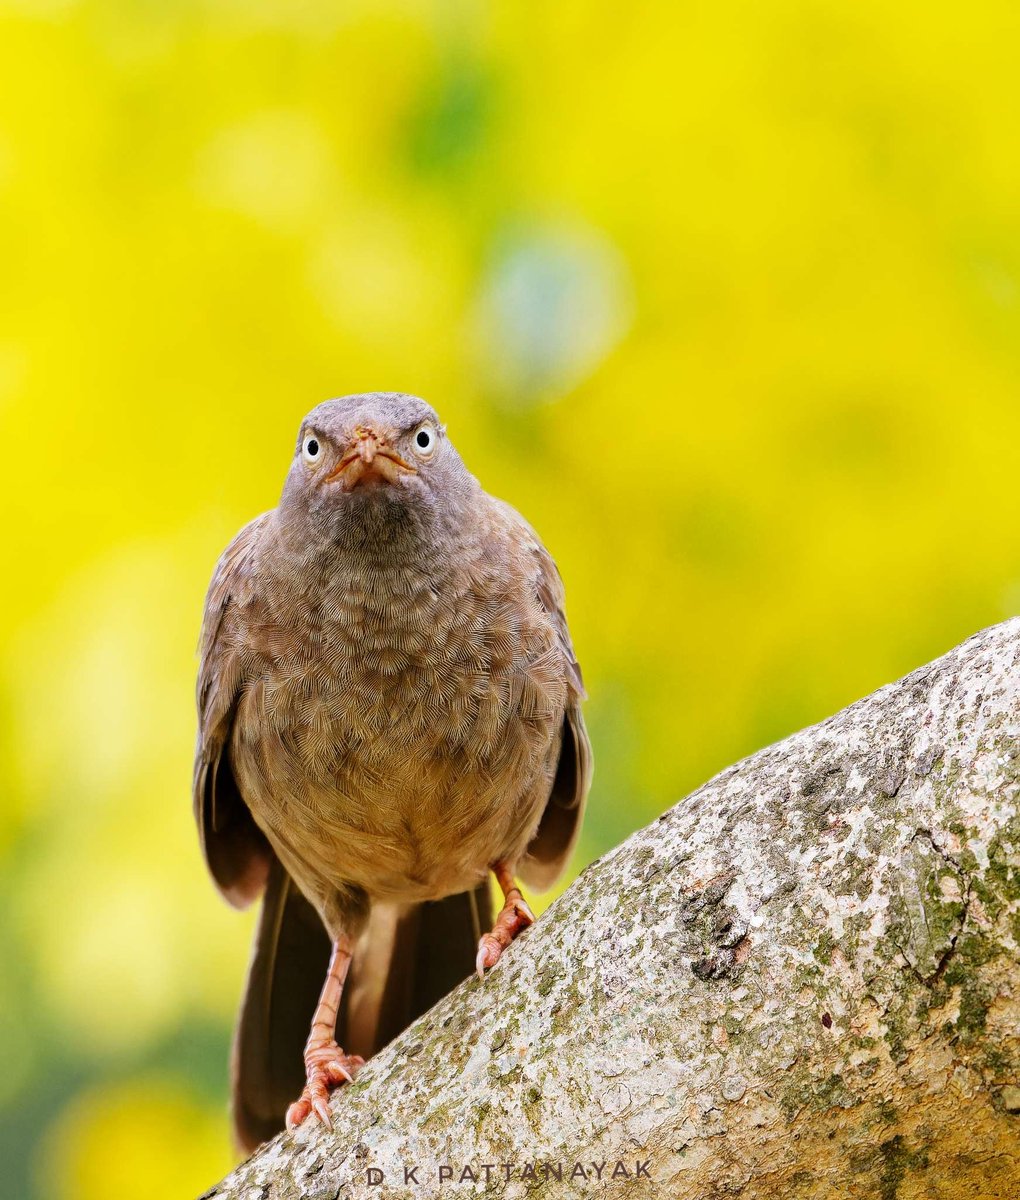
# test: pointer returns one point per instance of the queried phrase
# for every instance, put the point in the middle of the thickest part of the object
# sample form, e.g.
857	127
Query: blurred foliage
723	297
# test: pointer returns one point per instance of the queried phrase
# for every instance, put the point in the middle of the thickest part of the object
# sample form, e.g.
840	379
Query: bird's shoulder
539	568
232	590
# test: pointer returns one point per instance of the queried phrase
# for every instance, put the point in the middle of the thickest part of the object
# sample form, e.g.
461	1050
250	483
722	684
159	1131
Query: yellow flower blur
725	298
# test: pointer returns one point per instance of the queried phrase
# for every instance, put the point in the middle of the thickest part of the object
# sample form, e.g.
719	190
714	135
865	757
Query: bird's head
373	467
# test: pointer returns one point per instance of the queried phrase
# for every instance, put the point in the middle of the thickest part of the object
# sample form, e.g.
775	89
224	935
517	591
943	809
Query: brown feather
288	965
405	962
393	980
558	831
236	850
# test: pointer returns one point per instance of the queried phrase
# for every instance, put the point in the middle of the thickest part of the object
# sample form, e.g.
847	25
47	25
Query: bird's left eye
311	449
424	440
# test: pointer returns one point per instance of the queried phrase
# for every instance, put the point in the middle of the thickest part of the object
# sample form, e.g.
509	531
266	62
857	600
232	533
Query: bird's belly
414	845
407	810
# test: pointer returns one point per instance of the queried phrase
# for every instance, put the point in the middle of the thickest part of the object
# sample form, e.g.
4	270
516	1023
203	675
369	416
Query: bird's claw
488	954
326	1067
515	917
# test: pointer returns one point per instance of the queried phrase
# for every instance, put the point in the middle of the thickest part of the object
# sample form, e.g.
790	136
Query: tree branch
802	981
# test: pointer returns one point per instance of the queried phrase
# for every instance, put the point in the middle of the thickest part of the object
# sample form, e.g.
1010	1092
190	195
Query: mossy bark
802	981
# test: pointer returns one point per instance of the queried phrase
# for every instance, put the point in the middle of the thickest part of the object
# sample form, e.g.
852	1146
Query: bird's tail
404	962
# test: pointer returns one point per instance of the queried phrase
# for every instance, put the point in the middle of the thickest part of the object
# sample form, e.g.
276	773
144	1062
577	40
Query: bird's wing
558	830
236	850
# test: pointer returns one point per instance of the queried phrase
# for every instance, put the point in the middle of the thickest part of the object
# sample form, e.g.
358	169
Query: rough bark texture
802	981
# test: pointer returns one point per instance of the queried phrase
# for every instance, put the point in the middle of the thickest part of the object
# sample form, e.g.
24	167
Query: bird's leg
326	1065
514	917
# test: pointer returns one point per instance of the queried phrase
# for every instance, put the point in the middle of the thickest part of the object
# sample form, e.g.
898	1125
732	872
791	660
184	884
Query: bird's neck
381	557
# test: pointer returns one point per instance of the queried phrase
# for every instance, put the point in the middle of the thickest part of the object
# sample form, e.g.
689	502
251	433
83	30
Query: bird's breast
404	733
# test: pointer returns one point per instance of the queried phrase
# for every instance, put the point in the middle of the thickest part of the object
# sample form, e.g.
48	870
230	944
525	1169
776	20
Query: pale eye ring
311	449
424	440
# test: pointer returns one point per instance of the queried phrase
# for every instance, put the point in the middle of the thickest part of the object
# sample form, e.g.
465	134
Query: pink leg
514	917
326	1065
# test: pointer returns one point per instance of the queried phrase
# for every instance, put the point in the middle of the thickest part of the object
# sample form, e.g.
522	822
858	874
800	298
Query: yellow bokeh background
724	297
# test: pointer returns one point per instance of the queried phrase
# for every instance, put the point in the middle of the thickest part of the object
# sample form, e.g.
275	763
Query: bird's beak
369	458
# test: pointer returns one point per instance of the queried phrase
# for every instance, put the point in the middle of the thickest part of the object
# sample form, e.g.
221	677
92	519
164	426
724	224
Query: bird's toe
326	1067
489	951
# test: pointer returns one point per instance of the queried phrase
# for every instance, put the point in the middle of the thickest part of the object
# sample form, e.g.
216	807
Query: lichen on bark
801	981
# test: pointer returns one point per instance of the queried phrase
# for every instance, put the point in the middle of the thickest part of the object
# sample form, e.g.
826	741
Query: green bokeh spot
451	120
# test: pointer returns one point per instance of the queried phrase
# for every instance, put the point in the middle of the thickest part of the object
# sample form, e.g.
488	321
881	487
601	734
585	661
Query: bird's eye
311	450
425	440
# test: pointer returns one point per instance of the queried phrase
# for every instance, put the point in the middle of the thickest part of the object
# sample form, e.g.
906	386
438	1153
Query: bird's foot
514	917
326	1067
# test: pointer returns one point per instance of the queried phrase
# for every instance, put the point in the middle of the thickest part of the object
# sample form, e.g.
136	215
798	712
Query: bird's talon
489	951
326	1068
297	1112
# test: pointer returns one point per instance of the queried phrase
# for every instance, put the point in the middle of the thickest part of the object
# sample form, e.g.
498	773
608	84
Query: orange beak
370	459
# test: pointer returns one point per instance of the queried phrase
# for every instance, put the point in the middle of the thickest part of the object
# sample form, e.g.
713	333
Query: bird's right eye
311	449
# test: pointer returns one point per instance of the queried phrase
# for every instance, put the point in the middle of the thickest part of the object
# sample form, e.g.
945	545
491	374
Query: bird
389	714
